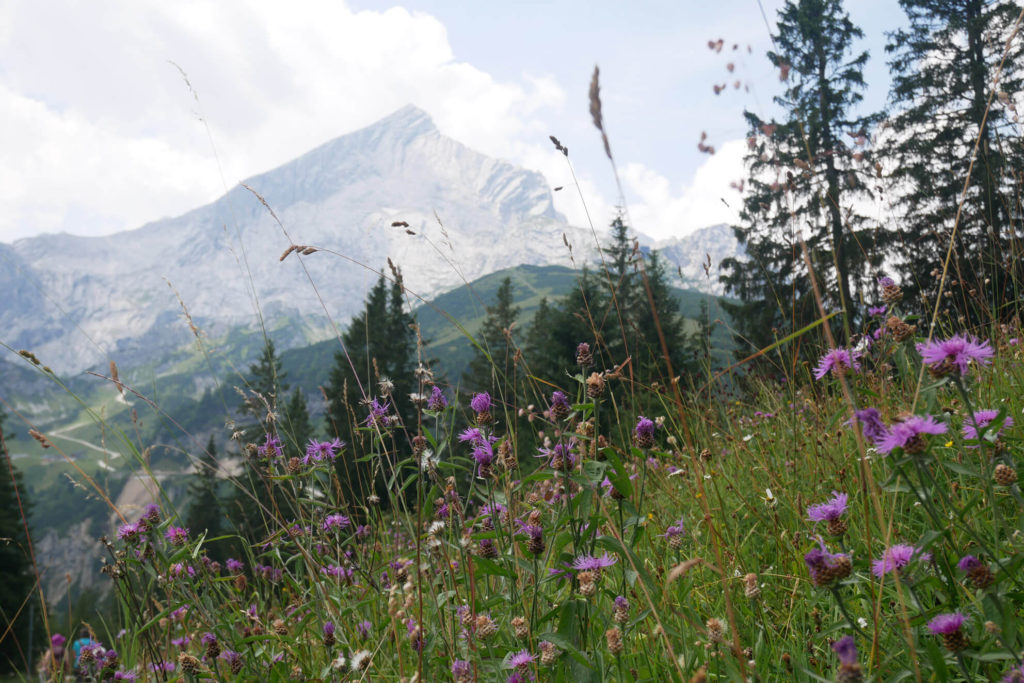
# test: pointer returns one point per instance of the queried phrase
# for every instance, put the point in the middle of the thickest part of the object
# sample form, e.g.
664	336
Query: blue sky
102	135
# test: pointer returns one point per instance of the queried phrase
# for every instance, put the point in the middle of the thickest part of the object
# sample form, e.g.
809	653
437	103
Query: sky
114	113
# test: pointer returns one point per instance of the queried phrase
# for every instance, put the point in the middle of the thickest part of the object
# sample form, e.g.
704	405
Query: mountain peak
408	118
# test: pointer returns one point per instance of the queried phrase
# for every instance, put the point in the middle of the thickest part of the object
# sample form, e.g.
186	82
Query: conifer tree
381	344
296	428
945	68
15	561
803	181
493	374
204	512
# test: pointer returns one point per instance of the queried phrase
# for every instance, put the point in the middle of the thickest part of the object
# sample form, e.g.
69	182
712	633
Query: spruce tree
18	580
804	180
204	512
945	67
493	374
381	344
295	428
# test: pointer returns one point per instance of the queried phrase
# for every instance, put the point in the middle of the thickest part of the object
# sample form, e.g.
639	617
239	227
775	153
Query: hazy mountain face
78	301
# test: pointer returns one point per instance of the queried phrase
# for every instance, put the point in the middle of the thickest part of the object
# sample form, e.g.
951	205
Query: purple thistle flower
823	565
984	418
208	639
125	676
336	521
234	566
560	404
561	456
827	512
946	623
956	352
271	447
907	434
472	435
363	628
876	310
483	454
437	401
621	603
968	563
871	422
462	670
521	659
590	563
836	361
164	666
643	433
1014	675
674	530
886	281
481	403
846	649
319	451
178	536
181	642
151	513
128	532
897	557
379	414
232	658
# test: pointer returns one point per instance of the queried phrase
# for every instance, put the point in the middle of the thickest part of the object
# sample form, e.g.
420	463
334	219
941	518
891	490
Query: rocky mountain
689	255
81	301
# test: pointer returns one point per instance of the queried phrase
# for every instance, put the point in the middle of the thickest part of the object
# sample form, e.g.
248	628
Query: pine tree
493	374
945	66
266	378
204	512
18	580
803	181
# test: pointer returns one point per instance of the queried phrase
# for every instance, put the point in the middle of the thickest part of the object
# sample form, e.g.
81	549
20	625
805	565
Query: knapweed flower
271	447
621	613
830	512
560	407
584	357
643	433
955	353
948	626
437	401
826	568
908	434
234	566
870	421
483	454
674	535
128	532
178	536
211	644
978	572
232	659
336	521
379	415
462	671
982	419
151	514
535	543
320	451
594	564
521	661
481	403
846	650
876	310
896	558
561	456
364	628
837	361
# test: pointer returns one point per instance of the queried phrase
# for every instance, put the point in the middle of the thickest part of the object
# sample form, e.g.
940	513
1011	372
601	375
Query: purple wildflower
232	659
846	649
271	447
897	557
827	512
481	403
886	281
871	422
560	407
984	418
336	521
908	434
234	566
956	352
825	567
837	361
521	660
462	670
320	451
437	401
561	456
379	414
177	535
643	433
968	563
1014	675
590	563
946	623
363	628
876	310
128	532
125	676
674	530
483	454
151	513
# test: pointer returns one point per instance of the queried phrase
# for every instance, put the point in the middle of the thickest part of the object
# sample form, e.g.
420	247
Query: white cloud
101	134
661	211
